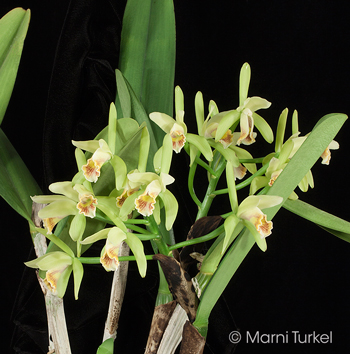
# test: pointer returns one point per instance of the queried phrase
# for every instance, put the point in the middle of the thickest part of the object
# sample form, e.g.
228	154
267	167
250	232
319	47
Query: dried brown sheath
160	320
180	284
192	341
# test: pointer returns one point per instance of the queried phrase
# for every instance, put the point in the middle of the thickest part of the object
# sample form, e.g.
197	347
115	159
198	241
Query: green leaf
320	137
123	95
106	347
139	114
13	29
147	53
16	182
328	222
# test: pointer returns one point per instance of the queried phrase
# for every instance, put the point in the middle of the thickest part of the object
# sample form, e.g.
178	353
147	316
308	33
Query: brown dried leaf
180	284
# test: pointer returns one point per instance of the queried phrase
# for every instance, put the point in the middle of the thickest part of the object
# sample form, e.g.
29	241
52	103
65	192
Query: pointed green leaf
123	95
16	182
147	53
13	30
329	222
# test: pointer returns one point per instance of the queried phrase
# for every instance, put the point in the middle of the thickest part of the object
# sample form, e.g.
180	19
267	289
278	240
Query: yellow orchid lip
145	204
126	193
51	278
178	138
87	205
91	170
261	224
227	139
50	223
247	136
109	258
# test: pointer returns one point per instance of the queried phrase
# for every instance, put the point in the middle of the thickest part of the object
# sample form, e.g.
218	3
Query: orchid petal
88	145
258	183
164	121
244	80
179	99
65	188
229	225
78	272
199	108
263	128
136	247
255	103
120	171
201	144
230	179
100	235
167	153
281	128
228	119
59	208
261	242
77	227
171	208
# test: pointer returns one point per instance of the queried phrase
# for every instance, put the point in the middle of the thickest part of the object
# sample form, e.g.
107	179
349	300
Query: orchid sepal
281	128
230	225
263	128
228	119
199	109
201	144
261	242
137	249
78	272
120	171
244	81
171	208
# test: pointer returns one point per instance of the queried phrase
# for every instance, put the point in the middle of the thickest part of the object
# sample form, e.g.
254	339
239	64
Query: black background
298	52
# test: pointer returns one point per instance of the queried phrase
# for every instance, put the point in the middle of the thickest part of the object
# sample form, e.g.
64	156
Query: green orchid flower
250	213
114	237
177	129
58	267
152	188
246	114
69	199
101	154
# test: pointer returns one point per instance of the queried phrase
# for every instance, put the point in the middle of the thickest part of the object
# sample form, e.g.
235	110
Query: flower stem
219	165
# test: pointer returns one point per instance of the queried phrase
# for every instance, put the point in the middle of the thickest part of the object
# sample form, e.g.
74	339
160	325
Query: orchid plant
120	190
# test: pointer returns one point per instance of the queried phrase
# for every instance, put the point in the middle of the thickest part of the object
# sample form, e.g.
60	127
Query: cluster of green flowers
135	191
